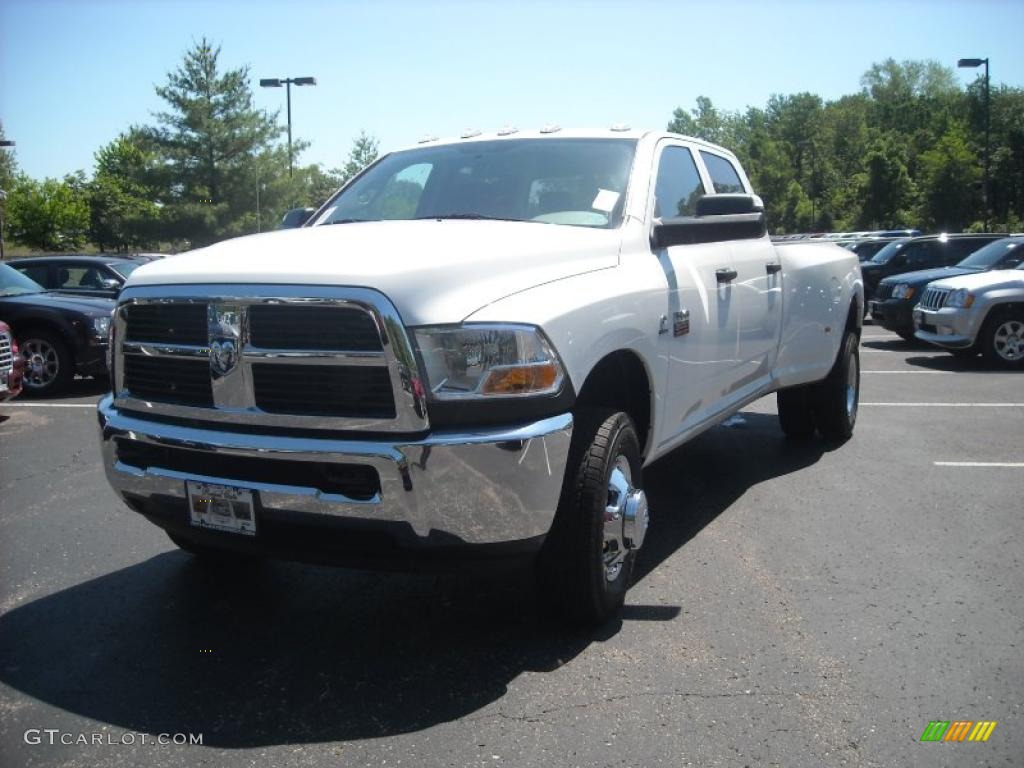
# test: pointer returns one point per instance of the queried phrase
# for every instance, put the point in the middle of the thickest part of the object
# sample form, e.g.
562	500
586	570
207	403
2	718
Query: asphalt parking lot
795	605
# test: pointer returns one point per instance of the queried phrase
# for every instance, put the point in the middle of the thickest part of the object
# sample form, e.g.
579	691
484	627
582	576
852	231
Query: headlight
903	291
488	361
961	298
101	327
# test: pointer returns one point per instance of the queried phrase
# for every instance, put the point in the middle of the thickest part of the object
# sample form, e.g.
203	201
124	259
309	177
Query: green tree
124	195
215	148
51	215
949	183
364	151
705	122
884	187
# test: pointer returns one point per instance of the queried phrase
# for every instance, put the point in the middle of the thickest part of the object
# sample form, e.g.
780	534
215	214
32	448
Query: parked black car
58	334
867	248
918	253
84	275
897	295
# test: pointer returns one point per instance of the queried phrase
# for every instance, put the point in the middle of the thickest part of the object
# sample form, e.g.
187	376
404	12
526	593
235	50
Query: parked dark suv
58	334
897	295
918	253
83	275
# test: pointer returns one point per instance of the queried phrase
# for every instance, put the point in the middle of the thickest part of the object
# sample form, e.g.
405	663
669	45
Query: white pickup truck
469	354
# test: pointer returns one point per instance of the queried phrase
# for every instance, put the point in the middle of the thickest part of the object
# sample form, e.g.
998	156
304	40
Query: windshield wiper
467	215
348	221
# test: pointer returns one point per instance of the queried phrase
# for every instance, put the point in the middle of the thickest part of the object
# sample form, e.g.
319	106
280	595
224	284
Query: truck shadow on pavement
289	654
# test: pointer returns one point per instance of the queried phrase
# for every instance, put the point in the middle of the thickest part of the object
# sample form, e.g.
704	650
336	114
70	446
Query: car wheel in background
1002	338
49	366
836	399
586	565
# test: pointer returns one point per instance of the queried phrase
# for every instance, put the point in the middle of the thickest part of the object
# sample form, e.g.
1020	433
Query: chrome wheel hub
1009	340
625	518
852	387
41	364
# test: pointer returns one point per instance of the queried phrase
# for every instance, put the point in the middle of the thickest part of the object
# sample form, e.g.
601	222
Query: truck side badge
681	323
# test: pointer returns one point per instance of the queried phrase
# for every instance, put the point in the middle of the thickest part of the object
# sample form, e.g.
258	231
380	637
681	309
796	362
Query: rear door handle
725	275
772	267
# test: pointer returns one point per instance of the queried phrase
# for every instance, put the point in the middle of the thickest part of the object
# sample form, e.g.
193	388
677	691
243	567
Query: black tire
49	364
1002	338
796	412
835	400
574	581
907	336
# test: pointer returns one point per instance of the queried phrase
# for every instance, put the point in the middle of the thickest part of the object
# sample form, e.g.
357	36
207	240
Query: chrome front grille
6	356
276	356
933	298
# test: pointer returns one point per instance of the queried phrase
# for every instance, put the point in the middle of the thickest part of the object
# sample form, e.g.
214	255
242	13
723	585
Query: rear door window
723	174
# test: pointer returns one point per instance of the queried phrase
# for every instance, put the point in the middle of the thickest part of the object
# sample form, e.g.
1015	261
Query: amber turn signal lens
520	379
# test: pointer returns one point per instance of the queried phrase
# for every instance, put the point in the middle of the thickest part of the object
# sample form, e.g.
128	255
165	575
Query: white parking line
47	405
1010	464
948	405
930	373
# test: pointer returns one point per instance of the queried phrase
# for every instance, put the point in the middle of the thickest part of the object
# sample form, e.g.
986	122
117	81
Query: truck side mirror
719	218
110	284
296	217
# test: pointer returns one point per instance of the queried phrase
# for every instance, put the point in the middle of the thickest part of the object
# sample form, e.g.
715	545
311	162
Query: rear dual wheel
829	406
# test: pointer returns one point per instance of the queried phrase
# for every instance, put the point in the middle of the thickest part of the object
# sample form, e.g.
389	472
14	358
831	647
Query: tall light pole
971	64
3	202
277	82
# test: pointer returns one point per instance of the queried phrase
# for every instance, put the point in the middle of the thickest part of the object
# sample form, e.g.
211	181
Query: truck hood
433	271
979	281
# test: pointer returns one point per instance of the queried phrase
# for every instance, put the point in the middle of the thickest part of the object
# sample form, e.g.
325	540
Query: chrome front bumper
957	326
487	486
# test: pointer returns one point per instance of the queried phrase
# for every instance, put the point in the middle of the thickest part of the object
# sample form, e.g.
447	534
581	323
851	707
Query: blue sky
75	73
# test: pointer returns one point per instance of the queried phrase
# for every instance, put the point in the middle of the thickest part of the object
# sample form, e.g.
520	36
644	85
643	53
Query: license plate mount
221	507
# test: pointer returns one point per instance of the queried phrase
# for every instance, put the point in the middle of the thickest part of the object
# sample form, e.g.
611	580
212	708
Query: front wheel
586	565
49	365
1002	339
836	399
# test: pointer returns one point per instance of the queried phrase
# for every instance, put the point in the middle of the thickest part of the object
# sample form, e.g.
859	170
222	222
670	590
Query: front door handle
725	275
772	267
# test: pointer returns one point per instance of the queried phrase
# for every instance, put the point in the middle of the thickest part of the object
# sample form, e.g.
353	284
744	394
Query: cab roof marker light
507	130
427	139
619	127
469	133
551	128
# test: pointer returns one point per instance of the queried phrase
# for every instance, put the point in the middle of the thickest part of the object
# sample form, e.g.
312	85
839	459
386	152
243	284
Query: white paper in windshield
605	200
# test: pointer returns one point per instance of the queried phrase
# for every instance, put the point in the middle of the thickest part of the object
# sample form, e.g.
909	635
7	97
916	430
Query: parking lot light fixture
971	64
277	82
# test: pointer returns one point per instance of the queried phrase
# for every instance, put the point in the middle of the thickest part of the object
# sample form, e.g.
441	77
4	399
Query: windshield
886	254
124	268
1001	253
13	283
579	182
